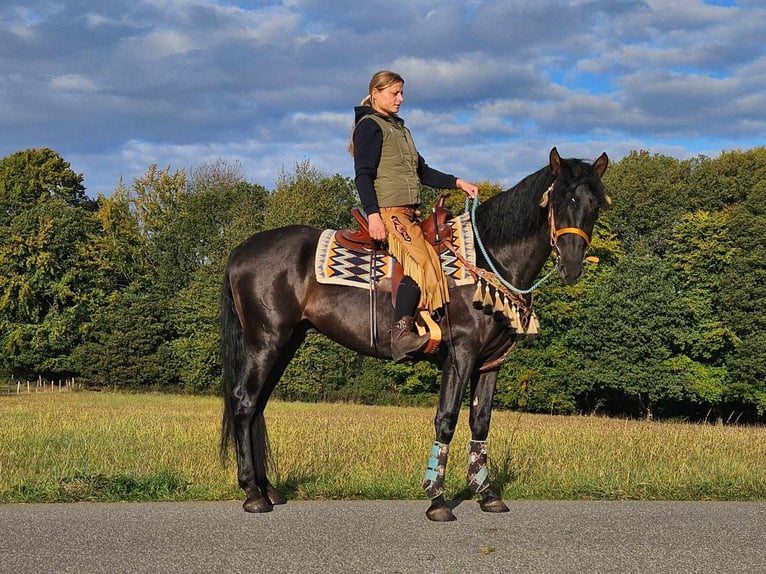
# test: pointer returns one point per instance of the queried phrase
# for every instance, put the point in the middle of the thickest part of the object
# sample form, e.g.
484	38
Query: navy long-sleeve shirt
368	142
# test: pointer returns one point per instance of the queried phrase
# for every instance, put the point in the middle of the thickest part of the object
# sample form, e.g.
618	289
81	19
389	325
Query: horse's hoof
440	512
493	503
257	505
275	496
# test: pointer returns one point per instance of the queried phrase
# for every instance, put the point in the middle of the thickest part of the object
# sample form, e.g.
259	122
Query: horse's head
573	200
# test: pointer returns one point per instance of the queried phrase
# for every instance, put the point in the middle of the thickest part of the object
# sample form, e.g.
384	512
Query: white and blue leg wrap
478	473
433	482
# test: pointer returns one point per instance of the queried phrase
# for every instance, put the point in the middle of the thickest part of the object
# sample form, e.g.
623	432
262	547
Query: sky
491	86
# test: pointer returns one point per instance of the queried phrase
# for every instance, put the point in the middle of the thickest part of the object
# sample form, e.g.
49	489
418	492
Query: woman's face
388	100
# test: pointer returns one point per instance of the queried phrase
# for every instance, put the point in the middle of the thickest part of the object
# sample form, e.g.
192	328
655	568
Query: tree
47	276
221	210
627	332
158	199
742	302
649	193
28	175
168	237
127	346
747	374
117	246
727	180
308	197
699	252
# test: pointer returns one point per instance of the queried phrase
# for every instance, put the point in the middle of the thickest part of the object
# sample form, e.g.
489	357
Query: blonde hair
380	81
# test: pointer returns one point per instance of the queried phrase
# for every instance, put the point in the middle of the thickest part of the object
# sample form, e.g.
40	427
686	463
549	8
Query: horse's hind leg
249	429
263	372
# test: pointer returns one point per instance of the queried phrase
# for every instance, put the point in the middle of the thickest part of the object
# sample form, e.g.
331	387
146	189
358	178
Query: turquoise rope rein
489	260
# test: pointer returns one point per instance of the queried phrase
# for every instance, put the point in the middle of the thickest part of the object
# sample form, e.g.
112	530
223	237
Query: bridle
554	232
545	201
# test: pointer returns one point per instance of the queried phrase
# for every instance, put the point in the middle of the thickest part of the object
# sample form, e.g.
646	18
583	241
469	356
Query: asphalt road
383	537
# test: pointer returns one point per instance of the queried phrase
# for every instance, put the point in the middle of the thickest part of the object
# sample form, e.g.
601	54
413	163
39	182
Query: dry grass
104	446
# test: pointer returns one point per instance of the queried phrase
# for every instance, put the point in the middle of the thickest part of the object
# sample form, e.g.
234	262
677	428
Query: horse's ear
554	161
601	164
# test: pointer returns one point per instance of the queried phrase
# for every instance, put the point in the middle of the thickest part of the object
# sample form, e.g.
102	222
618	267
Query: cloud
491	85
73	83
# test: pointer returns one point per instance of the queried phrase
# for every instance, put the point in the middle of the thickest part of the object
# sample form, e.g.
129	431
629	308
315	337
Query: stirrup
426	325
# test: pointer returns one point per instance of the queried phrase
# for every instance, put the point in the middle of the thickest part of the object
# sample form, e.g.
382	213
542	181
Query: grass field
72	446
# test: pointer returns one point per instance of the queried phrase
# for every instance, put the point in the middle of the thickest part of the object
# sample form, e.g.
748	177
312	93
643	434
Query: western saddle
435	229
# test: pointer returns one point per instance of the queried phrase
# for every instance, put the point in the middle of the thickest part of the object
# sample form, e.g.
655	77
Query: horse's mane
516	213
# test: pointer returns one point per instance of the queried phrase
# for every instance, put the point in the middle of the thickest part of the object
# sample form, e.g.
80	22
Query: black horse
271	300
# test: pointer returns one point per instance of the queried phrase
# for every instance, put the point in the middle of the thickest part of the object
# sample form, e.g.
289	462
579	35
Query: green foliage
320	368
648	193
46	272
196	349
747	374
125	347
700	251
628	328
29	175
744	299
536	379
306	197
123	291
117	246
728	180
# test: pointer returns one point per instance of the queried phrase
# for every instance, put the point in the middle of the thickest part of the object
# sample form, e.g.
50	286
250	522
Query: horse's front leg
482	391
452	390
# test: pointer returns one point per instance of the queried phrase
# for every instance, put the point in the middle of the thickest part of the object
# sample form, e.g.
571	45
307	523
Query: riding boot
405	342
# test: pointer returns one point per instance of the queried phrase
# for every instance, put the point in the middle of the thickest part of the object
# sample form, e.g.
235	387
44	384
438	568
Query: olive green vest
397	182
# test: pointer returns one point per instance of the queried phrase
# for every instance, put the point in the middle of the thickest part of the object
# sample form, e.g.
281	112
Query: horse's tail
232	358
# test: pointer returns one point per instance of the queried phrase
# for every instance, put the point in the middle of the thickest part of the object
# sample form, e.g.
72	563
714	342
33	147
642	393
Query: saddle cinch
437	233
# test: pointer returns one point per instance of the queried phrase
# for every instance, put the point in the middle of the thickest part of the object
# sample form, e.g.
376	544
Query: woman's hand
377	229
470	189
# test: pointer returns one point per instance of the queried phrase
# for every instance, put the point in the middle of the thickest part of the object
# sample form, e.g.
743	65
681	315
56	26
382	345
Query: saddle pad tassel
515	319
499	309
533	328
477	295
488	302
508	312
499	303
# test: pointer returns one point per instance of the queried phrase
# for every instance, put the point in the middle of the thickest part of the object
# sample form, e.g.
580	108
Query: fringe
505	307
434	292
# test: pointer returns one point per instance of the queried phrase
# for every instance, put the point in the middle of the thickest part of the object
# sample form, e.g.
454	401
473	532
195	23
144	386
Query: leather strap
575	231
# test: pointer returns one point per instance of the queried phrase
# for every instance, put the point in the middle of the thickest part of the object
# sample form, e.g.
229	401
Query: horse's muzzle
570	272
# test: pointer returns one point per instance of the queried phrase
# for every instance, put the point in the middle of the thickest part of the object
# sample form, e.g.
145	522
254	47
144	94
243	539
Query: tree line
122	291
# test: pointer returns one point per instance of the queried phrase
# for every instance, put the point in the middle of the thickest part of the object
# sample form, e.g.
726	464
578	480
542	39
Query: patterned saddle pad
338	265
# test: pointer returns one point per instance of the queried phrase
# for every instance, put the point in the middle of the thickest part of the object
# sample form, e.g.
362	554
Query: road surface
337	537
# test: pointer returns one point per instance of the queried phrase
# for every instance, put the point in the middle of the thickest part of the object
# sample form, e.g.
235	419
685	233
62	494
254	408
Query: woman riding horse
389	173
